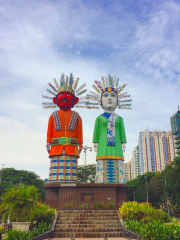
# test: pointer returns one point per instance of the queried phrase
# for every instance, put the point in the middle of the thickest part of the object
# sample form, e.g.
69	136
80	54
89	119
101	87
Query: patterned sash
110	128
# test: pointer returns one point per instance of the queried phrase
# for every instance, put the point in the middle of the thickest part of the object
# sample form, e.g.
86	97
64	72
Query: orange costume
64	135
65	117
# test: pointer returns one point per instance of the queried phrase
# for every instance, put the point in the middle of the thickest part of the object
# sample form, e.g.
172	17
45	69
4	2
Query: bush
142	212
22	235
42	213
17	203
154	230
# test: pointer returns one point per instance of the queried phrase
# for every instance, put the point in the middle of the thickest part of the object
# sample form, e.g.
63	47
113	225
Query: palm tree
18	201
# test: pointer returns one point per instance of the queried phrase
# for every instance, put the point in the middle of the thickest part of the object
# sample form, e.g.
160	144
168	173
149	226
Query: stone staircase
88	224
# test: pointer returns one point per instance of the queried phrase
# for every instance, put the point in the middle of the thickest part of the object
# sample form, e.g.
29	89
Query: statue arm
95	135
49	134
79	134
122	132
123	135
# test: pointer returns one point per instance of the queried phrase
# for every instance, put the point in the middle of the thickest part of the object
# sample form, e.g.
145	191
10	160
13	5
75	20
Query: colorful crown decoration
66	84
107	84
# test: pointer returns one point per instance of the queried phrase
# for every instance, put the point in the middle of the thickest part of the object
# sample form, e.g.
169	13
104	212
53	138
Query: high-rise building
156	150
135	162
175	127
127	170
132	168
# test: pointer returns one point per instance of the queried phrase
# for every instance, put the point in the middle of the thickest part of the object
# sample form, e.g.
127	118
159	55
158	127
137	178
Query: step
87	214
107	225
88	218
89	229
87	211
88	234
88	221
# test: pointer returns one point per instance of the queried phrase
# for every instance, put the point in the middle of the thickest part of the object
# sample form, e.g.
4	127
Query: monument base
85	195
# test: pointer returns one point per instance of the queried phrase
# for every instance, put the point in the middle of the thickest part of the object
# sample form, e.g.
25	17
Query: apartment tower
175	127
156	150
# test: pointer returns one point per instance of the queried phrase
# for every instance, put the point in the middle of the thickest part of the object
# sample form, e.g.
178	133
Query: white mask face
109	101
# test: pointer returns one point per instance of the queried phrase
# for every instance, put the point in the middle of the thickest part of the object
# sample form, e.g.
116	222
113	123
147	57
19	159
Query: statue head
65	99
109	99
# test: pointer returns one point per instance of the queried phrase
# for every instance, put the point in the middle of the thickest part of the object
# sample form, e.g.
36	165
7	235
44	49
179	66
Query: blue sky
135	40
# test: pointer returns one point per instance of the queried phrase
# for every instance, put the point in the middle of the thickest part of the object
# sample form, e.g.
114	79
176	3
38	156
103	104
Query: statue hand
124	147
95	147
48	147
80	147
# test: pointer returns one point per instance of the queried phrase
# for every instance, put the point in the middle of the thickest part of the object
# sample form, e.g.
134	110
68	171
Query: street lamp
85	149
134	194
146	188
1	173
20	181
166	193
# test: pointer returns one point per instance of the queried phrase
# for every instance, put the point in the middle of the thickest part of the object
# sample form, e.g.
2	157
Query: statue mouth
64	100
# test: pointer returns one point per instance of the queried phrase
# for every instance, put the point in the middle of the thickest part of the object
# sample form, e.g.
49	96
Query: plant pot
24	226
3	235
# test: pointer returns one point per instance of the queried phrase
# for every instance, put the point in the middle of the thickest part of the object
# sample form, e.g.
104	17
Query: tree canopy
86	174
162	187
12	177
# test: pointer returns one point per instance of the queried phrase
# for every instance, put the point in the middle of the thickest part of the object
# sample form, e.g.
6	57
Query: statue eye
105	95
113	95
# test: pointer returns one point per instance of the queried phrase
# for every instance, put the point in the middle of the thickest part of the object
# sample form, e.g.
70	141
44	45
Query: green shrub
69	205
154	230
22	235
142	212
17	203
42	213
111	204
100	205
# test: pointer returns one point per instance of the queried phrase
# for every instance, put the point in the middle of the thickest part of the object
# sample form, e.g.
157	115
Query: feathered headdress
107	84
66	84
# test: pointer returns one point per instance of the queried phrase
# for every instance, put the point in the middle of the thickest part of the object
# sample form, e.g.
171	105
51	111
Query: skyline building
132	168
135	162
156	150
127	170
175	128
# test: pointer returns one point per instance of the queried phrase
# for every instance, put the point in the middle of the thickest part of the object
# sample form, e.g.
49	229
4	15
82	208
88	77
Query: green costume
100	136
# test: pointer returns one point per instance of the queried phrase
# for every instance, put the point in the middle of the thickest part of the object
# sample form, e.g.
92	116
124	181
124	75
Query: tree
157	191
137	188
18	201
86	174
12	177
172	173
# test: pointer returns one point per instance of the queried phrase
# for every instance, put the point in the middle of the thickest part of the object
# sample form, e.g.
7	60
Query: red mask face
65	100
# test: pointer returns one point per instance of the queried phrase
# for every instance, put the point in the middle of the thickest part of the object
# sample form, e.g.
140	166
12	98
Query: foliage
86	174
69	205
19	235
138	188
18	201
111	204
143	212
1	229
100	205
160	187
84	206
154	230
12	177
172	172
42	213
